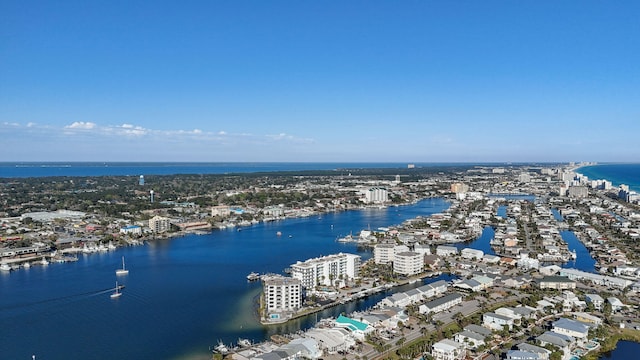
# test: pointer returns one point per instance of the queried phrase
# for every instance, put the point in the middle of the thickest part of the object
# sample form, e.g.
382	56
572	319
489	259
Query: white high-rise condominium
282	293
376	195
331	270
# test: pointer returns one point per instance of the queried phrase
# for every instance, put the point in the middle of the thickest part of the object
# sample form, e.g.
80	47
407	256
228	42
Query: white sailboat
117	293
122	271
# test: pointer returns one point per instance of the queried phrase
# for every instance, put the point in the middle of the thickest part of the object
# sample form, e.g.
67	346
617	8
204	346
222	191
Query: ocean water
628	174
181	296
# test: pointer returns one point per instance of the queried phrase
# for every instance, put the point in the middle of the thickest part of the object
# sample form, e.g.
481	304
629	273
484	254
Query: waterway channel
181	295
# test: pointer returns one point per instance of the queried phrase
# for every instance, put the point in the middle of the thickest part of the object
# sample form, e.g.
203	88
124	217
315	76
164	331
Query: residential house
448	350
496	322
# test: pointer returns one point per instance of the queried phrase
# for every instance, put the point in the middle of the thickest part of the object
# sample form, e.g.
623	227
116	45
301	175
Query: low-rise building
444	250
543	354
440	304
596	300
571	328
556	282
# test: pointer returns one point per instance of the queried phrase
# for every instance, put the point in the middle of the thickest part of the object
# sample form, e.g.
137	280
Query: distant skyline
331	81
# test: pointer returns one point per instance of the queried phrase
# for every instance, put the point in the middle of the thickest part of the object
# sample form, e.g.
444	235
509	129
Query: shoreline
610	342
615	182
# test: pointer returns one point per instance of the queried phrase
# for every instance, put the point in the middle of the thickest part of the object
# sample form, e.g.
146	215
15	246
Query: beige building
159	224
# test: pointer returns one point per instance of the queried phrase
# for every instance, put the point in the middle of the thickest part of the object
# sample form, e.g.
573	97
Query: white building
440	304
131	230
408	263
282	293
331	270
496	322
448	350
468	253
423	249
383	253
376	195
596	300
444	250
571	328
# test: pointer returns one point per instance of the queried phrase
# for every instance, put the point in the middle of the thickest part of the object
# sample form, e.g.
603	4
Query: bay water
181	295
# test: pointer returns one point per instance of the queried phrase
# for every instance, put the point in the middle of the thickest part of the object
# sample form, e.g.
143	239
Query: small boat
279	233
116	293
43	261
221	348
244	342
348	238
253	276
5	267
122	271
26	265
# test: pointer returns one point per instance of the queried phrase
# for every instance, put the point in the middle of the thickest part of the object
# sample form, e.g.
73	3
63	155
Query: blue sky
396	81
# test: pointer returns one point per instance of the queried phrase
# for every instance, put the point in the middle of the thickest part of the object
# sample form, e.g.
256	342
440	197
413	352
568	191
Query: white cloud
131	130
81	125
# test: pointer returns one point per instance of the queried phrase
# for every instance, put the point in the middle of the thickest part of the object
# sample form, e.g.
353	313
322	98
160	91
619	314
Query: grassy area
611	341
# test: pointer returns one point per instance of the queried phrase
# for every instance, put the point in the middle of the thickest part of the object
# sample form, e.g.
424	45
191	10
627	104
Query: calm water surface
624	350
182	295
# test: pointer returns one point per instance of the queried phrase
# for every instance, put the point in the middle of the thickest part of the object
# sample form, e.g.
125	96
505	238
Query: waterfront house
563	342
357	328
398	299
434	288
571	328
331	340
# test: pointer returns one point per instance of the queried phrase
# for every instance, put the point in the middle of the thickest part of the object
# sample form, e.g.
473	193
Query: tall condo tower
151	195
141	181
